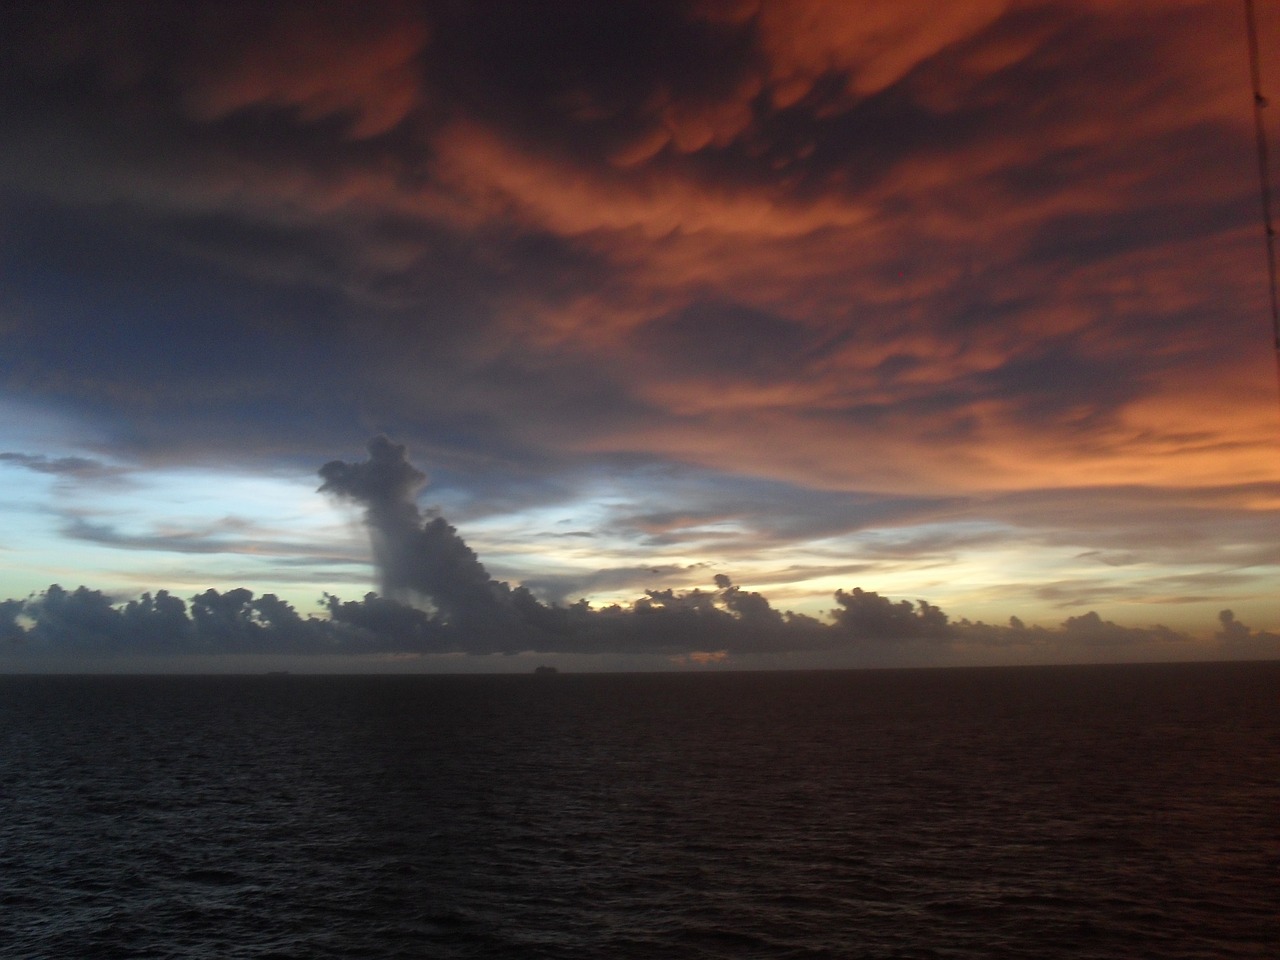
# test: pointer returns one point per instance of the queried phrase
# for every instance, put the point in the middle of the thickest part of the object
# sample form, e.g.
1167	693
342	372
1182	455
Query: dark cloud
861	613
417	558
1241	640
1059	383
733	340
763	513
228	536
595	78
83	622
77	468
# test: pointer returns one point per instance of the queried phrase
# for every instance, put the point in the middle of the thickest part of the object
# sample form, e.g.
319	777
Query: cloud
727	621
568	587
1241	640
923	346
76	468
227	536
313	61
868	615
868	48
996	264
416	557
763	513
438	599
306	62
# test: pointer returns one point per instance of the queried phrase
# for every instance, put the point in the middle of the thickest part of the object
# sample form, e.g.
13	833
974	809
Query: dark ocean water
1113	812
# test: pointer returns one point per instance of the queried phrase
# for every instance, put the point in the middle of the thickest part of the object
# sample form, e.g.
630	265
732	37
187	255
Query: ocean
1083	812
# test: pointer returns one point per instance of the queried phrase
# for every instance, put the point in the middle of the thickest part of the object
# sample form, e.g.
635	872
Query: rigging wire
1264	174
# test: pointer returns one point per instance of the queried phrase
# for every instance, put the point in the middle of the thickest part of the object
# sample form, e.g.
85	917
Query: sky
965	304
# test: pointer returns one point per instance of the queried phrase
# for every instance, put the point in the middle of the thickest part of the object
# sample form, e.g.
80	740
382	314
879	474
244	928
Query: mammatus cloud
438	598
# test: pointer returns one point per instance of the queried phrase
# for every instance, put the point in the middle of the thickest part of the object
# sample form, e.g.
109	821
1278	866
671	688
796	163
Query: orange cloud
316	59
826	265
800	44
872	45
573	200
868	267
700	658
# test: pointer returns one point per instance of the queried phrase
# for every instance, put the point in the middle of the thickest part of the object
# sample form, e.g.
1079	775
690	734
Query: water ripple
1088	813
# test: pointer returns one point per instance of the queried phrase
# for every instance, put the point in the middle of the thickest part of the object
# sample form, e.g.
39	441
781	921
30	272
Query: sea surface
1083	812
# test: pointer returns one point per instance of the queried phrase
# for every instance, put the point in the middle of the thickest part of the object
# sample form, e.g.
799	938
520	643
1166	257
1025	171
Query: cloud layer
439	599
851	282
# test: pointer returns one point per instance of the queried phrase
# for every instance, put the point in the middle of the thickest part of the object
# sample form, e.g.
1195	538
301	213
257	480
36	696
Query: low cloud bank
726	621
437	597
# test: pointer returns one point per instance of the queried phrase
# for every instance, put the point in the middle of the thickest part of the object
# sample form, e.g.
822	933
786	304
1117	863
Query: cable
1264	174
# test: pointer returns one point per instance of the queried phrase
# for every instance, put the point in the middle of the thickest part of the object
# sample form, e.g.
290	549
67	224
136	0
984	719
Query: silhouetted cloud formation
437	597
417	558
1241	639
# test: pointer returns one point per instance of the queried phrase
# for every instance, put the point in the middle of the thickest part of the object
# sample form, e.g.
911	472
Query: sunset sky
964	302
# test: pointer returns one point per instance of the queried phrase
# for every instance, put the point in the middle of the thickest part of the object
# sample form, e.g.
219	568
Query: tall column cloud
417	559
